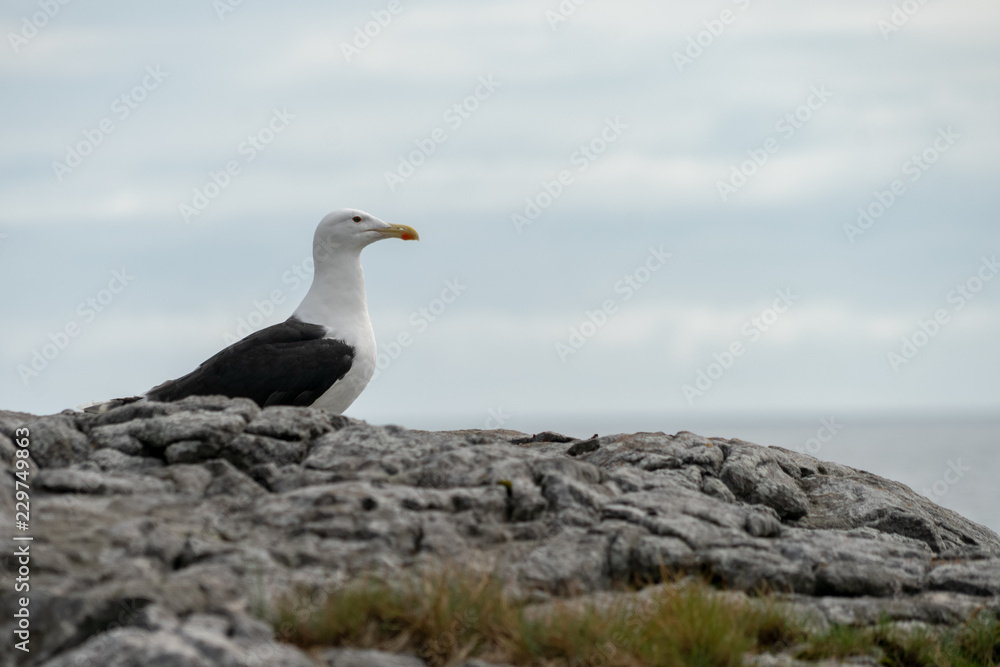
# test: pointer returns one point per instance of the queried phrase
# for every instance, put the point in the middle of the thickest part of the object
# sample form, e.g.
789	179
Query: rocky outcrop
160	528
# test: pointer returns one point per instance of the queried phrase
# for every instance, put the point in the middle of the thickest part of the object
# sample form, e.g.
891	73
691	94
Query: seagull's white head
349	230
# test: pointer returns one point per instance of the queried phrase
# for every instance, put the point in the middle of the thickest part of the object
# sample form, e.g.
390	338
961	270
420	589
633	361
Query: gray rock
163	524
68	480
215	428
153	427
545	436
228	481
69	620
131	647
191	480
935	608
115	462
349	657
584	447
249	450
765	476
192	451
768	660
575	562
11	421
192	646
844	498
56	443
972	578
295	424
118	436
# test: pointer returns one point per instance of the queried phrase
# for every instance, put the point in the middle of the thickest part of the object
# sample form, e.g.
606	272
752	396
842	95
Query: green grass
974	643
448	616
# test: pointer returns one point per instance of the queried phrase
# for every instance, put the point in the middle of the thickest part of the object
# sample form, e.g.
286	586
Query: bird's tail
101	407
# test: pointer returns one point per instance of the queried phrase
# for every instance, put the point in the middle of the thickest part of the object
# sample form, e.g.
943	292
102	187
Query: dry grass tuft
448	616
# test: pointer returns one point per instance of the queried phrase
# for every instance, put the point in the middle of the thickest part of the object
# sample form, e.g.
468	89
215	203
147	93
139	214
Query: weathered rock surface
159	527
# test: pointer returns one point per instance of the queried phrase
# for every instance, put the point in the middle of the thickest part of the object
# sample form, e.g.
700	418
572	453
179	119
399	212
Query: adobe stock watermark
365	34
751	331
419	321
626	288
454	116
562	12
224	7
898	17
927	330
296	276
32	25
585	155
952	475
263	310
914	168
786	127
121	108
248	150
702	40
828	428
496	418
86	312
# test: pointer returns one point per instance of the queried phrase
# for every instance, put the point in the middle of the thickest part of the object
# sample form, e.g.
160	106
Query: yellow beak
399	232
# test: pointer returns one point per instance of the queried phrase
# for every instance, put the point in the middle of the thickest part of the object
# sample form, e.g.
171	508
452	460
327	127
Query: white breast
336	300
343	393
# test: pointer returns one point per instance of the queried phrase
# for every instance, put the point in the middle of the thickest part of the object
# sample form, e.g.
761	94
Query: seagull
323	355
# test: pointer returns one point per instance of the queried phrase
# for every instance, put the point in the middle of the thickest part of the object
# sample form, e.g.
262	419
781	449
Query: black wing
285	364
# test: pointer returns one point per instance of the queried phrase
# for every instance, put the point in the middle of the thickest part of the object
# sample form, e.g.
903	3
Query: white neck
336	298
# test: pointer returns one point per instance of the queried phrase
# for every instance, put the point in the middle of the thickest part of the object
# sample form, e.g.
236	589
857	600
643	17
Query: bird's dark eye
356	218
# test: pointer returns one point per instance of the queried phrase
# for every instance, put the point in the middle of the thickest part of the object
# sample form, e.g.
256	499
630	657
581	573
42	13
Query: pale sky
613	203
